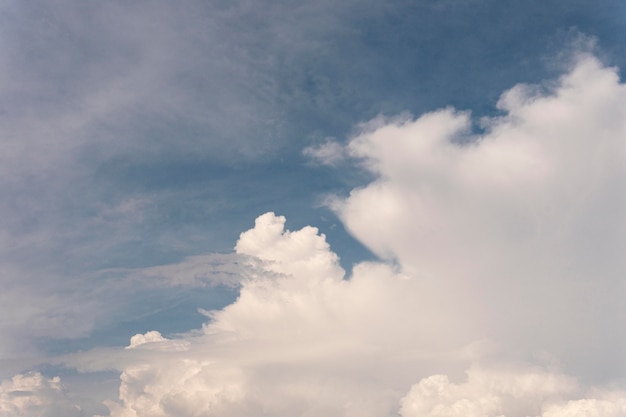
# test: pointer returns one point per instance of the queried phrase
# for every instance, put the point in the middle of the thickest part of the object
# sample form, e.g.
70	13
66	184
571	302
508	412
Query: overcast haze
358	208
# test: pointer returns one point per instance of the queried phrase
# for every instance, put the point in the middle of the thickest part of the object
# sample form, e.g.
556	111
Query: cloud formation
500	294
299	338
129	144
509	392
102	110
518	231
33	395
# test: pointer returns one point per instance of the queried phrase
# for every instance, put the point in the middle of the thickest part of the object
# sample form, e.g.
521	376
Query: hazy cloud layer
106	109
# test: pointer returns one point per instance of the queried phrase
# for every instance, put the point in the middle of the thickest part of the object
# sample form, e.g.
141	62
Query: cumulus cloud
299	339
509	392
503	255
519	230
34	395
142	339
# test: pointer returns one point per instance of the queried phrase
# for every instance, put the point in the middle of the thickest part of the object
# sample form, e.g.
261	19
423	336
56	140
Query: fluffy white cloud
610	406
513	392
142	339
505	248
300	339
34	395
520	230
298	254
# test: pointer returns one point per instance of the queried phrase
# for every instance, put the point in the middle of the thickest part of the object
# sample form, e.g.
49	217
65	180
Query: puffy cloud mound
522	228
142	339
514	236
33	395
515	392
299	339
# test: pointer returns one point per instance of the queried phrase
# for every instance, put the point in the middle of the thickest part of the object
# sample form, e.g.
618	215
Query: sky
392	208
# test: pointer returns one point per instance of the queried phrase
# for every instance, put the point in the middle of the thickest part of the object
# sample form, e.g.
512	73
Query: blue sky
139	141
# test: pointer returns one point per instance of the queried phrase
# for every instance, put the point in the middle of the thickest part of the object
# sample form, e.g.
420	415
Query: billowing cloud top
519	232
499	294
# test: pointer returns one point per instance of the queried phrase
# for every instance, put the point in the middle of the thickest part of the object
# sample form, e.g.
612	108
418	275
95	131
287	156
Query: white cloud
507	249
141	339
613	405
34	395
304	253
509	393
299	339
519	231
